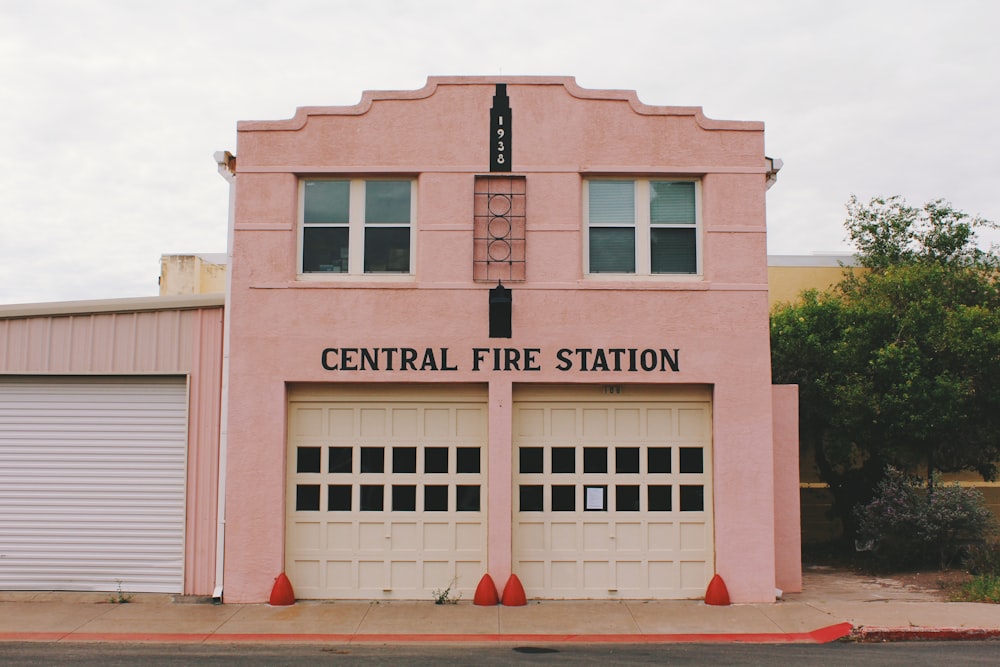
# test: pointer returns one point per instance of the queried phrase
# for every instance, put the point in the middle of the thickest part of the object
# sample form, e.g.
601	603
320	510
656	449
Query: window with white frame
642	226
356	226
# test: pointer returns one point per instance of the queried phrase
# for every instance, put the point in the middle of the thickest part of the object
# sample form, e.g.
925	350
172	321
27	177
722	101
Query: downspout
226	163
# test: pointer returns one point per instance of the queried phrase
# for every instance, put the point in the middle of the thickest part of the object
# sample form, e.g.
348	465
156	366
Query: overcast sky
110	110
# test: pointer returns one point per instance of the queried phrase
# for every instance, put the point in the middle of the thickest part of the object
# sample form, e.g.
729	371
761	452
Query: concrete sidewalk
834	605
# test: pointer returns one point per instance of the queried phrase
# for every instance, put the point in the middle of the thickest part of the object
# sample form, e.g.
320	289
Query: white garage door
612	497
92	477
386	493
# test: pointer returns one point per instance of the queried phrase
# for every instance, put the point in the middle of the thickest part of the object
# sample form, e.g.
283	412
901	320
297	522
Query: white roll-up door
92	491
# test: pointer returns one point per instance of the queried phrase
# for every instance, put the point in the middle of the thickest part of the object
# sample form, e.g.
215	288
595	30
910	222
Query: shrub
907	524
983	559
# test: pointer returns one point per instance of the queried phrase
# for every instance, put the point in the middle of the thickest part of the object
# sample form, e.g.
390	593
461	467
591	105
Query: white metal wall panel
92	473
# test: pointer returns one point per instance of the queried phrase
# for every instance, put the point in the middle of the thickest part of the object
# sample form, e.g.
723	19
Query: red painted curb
819	636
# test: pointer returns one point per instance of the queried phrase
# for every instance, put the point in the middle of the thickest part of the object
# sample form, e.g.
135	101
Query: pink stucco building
503	325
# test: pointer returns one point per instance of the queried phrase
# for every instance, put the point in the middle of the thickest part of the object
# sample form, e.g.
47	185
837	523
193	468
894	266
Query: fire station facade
503	326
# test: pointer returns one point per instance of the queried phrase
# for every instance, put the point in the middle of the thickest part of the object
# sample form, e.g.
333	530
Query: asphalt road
16	654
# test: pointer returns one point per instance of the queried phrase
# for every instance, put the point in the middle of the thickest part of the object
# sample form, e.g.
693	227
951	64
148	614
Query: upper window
642	227
357	226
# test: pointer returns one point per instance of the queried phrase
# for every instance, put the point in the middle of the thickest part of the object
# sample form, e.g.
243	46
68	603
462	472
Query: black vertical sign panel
500	134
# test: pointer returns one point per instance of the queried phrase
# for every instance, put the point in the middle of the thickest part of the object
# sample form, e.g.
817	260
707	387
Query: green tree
898	364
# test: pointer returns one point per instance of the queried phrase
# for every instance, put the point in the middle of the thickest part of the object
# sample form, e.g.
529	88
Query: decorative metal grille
498	236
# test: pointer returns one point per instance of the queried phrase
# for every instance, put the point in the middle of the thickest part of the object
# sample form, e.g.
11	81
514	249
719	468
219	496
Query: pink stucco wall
280	324
787	521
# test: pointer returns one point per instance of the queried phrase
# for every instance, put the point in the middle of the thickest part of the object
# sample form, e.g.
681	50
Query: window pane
627	459
372	459
530	459
436	498
563	498
563	459
339	498
530	498
307	498
404	498
658	459
341	459
658	498
372	498
692	498
387	202
327	201
673	250
324	249
627	498
466	498
691	459
612	250
467	459
404	459
307	459
435	459
595	459
612	201
671	203
387	250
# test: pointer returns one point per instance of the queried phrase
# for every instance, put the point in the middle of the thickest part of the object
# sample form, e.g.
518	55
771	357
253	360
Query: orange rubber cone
282	594
717	593
486	592
513	593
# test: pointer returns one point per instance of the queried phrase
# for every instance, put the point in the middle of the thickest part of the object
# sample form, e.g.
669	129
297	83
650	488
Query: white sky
110	110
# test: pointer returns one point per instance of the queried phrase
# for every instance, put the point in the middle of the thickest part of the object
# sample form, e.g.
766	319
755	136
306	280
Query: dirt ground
844	581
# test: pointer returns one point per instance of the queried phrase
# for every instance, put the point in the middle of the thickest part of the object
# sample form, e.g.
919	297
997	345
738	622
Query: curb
820	636
871	635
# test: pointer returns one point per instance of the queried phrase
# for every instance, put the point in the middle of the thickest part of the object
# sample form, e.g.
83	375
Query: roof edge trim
56	308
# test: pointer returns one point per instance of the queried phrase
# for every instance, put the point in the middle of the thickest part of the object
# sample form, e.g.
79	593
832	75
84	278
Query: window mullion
642	236
356	239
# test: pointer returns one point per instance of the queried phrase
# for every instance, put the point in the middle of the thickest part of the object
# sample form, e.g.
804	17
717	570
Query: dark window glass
436	498
658	459
387	250
531	498
372	497
673	250
307	459
627	459
404	498
691	459
435	459
467	498
373	459
563	498
627	498
595	459
530	459
341	459
339	498
692	498
612	249
387	202
563	459
327	201
324	249
658	497
467	459
307	498
404	459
